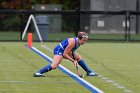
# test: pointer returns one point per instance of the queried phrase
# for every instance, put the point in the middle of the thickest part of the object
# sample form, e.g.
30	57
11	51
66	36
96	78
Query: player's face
83	41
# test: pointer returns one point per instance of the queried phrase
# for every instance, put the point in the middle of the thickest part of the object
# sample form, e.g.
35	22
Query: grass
9	35
58	36
116	61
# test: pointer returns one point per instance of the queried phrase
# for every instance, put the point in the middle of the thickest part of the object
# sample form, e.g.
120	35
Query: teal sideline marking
83	82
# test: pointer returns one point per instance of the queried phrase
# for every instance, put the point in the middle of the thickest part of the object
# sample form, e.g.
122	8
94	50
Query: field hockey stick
77	68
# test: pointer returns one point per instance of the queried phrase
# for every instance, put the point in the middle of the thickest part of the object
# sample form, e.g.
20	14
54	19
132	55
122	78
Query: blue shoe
38	75
91	74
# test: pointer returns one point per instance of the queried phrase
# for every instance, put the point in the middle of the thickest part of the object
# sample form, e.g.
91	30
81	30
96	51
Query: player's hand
75	62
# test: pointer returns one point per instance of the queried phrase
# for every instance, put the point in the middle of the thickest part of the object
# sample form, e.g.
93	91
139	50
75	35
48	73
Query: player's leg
82	63
56	61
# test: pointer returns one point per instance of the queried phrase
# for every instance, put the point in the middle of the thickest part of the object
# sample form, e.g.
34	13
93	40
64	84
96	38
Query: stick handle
77	69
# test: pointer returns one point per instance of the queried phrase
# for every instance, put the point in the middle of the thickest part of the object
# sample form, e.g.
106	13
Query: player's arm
68	49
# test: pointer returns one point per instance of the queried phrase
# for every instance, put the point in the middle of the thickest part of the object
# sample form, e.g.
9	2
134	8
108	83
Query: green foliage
35	1
12	23
66	4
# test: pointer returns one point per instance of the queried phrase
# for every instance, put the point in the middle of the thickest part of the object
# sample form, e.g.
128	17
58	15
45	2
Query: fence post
127	26
137	16
78	20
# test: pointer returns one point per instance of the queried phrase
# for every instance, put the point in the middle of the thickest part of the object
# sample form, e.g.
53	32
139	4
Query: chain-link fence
110	20
107	25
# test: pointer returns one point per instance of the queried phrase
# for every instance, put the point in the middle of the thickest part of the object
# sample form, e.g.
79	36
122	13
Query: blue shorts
58	50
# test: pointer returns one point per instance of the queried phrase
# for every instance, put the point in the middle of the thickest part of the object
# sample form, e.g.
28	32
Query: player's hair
82	35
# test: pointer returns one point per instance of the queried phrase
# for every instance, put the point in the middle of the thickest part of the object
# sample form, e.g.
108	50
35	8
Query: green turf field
116	63
11	35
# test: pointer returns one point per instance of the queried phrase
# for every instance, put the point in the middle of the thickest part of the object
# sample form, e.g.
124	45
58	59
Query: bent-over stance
66	49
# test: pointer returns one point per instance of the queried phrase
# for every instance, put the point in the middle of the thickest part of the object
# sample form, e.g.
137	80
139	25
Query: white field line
107	80
68	71
102	77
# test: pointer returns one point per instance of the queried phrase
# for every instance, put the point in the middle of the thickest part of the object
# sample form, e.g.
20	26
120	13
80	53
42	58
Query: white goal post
31	17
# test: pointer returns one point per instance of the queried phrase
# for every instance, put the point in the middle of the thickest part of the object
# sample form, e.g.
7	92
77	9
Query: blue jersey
59	49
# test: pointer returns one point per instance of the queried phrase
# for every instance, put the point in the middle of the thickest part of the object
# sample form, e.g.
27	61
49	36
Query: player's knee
79	58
